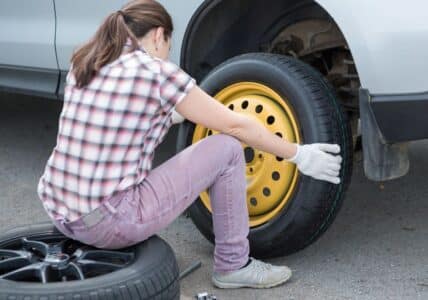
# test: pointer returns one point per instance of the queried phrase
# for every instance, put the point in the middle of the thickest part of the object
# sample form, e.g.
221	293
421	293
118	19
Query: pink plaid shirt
108	132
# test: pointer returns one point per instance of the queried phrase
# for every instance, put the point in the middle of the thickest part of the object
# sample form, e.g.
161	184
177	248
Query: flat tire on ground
146	271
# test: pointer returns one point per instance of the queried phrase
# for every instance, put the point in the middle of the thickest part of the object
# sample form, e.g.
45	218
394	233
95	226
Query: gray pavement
376	249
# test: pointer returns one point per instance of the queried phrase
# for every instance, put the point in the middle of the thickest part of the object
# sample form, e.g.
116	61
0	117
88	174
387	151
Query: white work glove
176	117
316	161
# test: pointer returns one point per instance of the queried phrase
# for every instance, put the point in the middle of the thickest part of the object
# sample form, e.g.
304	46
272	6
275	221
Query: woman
121	97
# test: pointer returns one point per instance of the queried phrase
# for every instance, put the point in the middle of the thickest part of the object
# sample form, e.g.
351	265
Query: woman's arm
200	108
312	160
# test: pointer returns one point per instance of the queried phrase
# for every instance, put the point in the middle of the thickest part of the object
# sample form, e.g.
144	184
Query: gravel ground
376	249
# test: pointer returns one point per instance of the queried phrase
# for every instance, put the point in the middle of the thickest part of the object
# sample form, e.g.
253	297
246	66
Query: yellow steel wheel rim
271	181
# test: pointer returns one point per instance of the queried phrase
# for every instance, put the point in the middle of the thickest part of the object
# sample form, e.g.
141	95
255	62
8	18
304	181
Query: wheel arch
207	42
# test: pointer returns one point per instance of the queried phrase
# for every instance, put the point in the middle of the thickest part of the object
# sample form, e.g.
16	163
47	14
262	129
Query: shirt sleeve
174	85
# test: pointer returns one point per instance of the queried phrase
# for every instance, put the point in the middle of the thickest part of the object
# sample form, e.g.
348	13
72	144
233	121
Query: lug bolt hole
266	192
279	134
231	106
271	120
244	104
276	176
259	109
253	201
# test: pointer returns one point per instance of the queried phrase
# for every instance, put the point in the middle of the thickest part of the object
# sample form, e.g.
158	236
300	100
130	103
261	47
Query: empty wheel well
222	29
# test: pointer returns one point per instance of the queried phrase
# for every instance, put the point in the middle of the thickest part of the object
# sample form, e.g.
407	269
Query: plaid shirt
108	132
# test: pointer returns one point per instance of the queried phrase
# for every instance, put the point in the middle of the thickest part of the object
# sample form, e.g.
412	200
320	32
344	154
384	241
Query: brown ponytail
133	21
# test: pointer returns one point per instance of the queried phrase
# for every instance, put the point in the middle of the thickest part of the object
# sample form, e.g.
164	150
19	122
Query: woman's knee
228	141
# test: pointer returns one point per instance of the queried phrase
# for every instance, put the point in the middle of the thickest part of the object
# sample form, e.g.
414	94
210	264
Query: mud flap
382	161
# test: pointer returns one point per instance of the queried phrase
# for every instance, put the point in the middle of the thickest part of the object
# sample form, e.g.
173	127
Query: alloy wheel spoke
24	272
12	253
58	247
39	246
98	265
43	274
13	263
76	270
105	254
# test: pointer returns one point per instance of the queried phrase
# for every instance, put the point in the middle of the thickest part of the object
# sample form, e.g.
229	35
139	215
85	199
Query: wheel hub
57	260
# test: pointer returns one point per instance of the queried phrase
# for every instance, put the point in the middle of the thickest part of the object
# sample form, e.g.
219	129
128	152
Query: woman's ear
159	35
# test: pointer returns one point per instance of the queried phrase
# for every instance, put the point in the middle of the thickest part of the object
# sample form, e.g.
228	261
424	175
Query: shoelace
261	266
260	270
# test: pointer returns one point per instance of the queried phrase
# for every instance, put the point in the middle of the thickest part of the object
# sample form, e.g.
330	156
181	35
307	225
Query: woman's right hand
316	160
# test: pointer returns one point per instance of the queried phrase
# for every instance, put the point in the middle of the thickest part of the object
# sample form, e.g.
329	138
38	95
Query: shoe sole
225	285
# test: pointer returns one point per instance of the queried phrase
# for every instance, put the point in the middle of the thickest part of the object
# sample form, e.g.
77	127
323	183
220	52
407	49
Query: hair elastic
121	13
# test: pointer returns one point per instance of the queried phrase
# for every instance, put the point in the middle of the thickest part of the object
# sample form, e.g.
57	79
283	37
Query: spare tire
287	211
38	262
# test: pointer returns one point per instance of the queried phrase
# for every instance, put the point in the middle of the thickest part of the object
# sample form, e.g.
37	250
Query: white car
310	70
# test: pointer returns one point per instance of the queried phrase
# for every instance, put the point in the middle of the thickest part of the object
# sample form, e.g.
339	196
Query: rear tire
314	204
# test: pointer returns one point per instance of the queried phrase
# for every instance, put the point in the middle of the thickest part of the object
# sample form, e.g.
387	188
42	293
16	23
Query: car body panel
27	47
27	33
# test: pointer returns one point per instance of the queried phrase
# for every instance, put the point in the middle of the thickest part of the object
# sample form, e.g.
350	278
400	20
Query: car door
27	49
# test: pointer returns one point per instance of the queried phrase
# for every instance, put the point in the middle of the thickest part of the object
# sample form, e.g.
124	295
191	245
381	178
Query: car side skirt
30	81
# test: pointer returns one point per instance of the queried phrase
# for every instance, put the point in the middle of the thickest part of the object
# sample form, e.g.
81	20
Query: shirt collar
129	44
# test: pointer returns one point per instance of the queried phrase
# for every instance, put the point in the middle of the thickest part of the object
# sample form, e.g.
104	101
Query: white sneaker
256	275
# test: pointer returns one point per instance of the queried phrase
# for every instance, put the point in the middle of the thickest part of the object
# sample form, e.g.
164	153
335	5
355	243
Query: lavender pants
215	163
